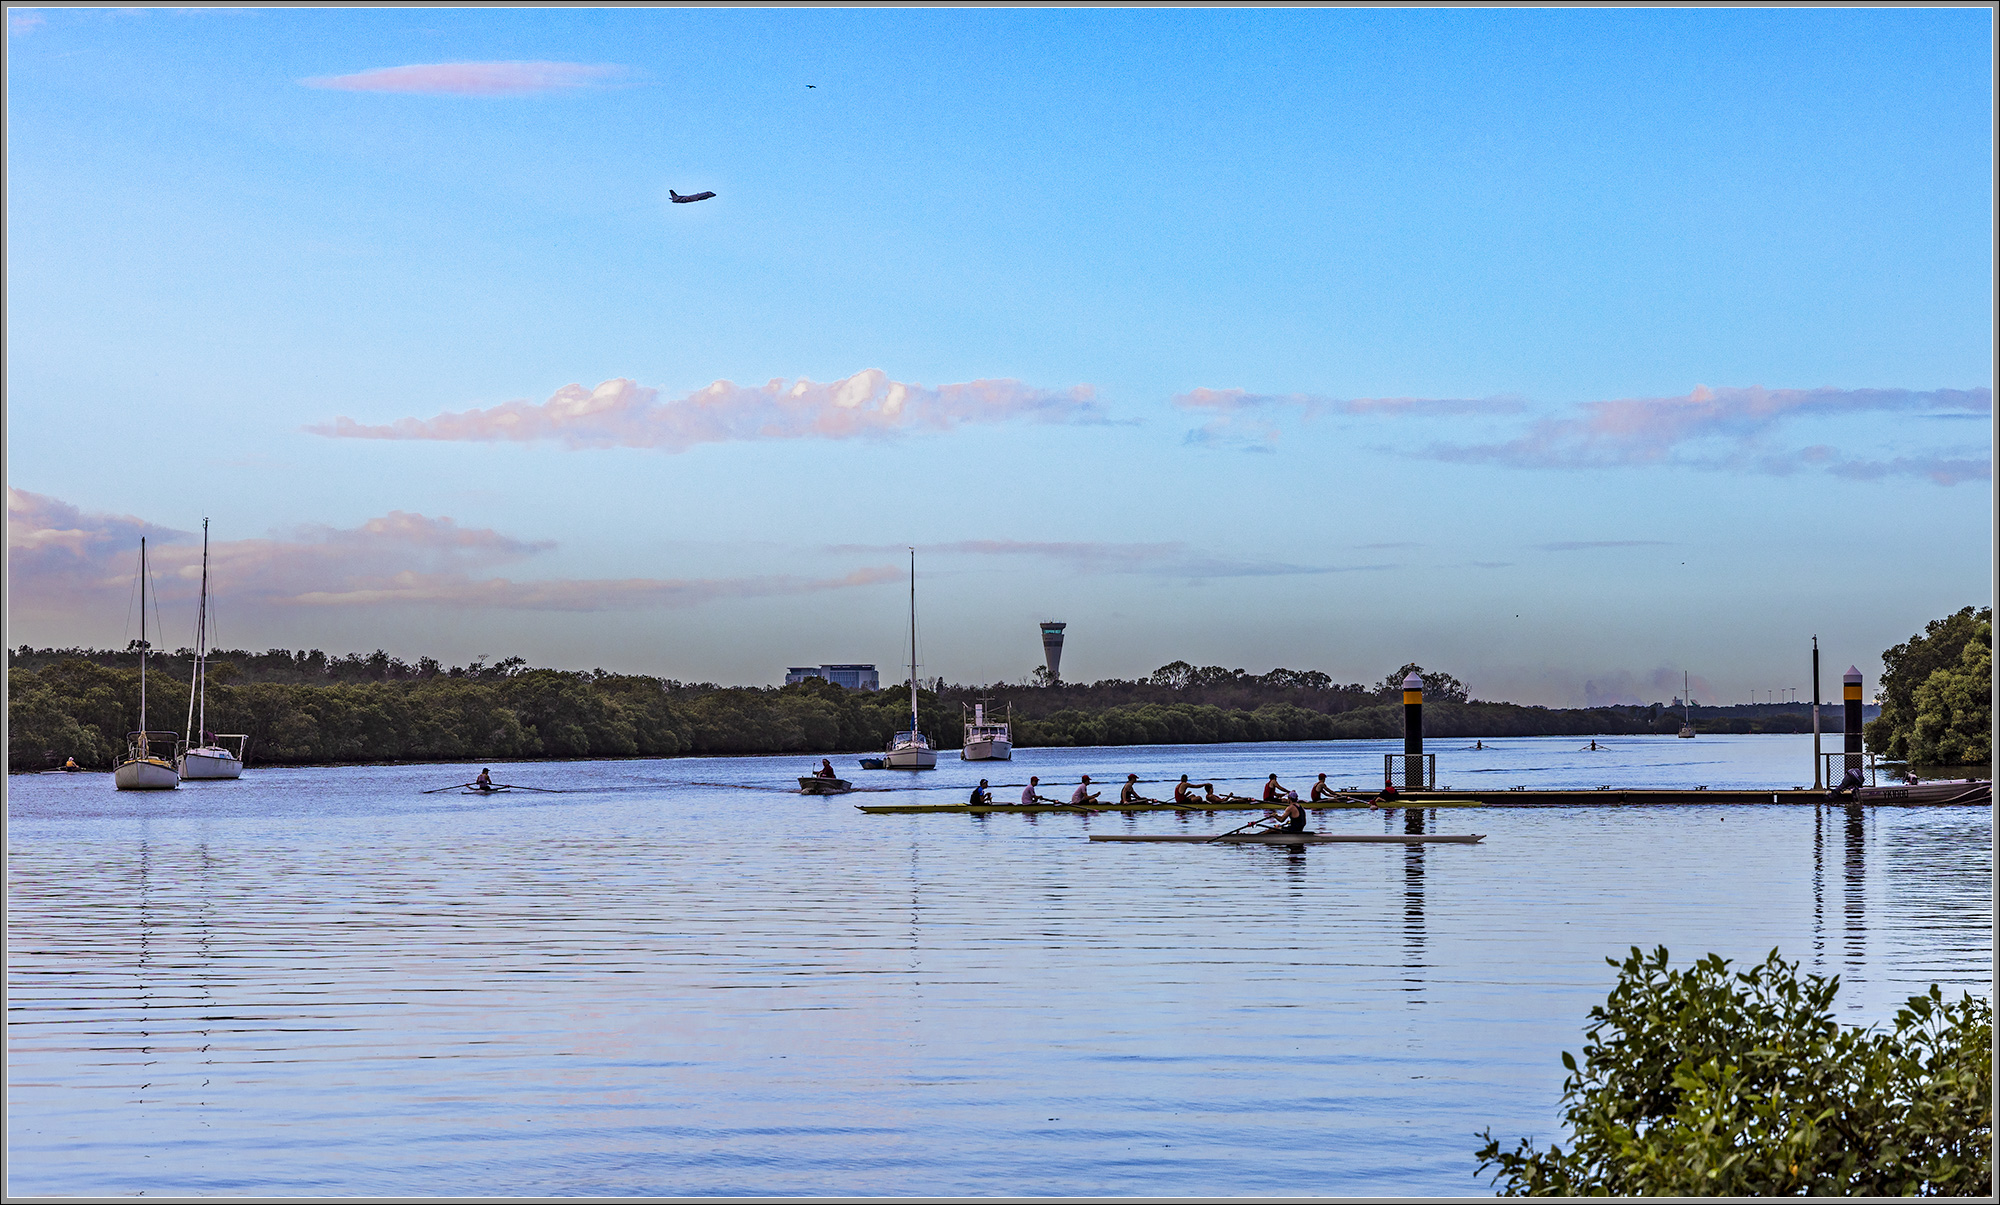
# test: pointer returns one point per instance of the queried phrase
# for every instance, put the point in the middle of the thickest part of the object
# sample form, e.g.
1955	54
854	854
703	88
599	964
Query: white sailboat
988	740
911	750
210	759
142	769
1687	710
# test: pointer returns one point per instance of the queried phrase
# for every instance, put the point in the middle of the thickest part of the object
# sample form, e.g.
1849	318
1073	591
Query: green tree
1909	665
1954	708
1706	1083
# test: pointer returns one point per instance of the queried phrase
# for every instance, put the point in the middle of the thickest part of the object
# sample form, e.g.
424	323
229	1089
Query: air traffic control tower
1052	637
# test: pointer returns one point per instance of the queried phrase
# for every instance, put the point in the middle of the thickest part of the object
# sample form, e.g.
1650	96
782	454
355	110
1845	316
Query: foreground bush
1706	1083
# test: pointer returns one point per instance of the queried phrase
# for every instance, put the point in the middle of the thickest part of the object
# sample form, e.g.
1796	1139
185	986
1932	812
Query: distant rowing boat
1299	839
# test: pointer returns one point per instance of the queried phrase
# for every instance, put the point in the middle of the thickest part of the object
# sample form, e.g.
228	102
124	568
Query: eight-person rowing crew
1188	795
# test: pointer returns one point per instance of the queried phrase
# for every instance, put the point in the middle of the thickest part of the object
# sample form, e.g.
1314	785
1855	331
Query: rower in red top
484	782
1274	792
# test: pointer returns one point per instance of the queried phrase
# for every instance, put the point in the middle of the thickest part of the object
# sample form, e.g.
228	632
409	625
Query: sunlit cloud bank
1239	418
472	79
1728	429
624	414
62	558
1165	560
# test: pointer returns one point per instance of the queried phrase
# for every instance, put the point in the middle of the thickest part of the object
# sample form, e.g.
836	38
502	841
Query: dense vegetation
1937	694
307	707
1700	1083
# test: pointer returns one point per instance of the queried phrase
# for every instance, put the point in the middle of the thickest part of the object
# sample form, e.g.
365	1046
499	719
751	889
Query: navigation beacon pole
1413	732
1818	761
1850	691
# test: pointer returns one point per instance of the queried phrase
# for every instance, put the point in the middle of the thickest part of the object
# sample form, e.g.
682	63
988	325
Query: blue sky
1560	350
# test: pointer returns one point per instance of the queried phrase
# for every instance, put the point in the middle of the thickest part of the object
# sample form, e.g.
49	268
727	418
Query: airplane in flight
681	200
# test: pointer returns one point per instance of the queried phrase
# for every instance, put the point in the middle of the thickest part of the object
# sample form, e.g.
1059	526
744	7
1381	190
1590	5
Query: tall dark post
1413	732
1818	761
1850	691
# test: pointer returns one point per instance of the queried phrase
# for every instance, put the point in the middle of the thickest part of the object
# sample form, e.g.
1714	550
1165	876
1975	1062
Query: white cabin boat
211	759
142	768
987	740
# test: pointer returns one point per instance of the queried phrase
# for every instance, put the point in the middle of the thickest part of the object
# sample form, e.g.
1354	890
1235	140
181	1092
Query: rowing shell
1302	838
984	808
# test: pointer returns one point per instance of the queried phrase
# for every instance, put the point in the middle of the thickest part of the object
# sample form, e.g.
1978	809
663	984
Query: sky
1563	351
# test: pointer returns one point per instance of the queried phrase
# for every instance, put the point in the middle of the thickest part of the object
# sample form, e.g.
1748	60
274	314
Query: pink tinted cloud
1248	419
1649	431
20	22
624	414
62	558
472	79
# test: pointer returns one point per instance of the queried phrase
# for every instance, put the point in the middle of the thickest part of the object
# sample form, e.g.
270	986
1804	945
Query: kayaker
1322	791
1083	795
484	782
1273	792
1184	791
980	795
1129	796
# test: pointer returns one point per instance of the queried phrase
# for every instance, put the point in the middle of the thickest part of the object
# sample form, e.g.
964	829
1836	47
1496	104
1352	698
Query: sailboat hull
210	764
910	759
150	774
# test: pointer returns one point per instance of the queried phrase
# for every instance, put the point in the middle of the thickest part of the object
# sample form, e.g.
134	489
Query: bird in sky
681	200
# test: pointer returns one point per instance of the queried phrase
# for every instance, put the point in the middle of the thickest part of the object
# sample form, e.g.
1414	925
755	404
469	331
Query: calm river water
678	980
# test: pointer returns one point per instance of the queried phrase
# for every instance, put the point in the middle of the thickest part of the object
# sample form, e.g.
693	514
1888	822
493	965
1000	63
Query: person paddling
484	782
980	795
1030	798
1083	796
1322	791
1129	796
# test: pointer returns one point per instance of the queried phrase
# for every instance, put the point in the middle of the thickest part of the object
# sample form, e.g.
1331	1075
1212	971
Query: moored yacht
988	740
142	768
211	759
911	750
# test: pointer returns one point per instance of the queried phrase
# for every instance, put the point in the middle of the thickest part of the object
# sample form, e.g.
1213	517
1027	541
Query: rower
1293	818
484	782
1129	796
1209	795
1083	795
980	795
1322	791
825	769
1273	792
1184	791
1387	799
1028	796
71	765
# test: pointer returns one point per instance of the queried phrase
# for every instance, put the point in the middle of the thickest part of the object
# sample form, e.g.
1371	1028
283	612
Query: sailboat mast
914	726
201	630
143	646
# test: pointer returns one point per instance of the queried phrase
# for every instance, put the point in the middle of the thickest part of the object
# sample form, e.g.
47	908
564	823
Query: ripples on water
321	982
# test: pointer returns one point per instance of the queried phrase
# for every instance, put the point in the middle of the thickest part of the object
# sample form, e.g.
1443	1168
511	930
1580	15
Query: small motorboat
874	763
813	784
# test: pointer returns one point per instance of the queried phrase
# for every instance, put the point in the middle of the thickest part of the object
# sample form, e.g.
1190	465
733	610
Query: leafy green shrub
1706	1083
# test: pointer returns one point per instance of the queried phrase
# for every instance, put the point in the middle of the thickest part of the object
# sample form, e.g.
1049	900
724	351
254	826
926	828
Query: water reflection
1857	880
1819	887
